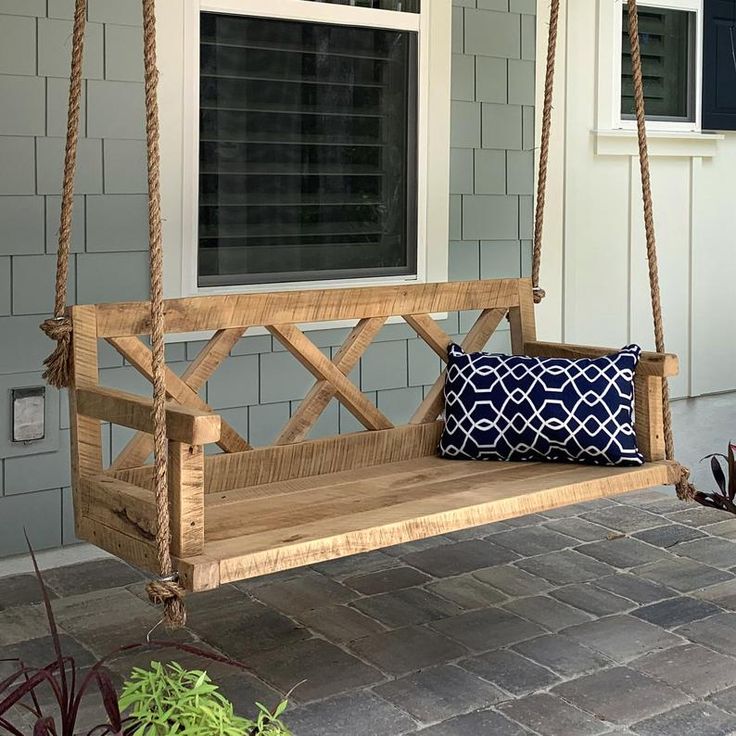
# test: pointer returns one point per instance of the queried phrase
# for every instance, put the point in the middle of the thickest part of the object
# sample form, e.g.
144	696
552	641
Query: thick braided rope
549	87
166	590
57	371
685	489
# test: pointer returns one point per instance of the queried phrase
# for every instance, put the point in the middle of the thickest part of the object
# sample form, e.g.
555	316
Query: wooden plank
476	339
320	395
648	417
650	364
436	513
521	319
196	314
186	498
322	368
430	332
184	390
183	424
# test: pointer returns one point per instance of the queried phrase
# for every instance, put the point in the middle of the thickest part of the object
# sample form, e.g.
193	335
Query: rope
549	87
685	489
58	372
165	591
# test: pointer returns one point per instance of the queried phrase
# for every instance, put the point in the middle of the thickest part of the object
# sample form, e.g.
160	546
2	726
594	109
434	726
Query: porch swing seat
247	512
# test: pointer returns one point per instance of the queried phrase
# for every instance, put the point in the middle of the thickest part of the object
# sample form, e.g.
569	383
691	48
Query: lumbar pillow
511	407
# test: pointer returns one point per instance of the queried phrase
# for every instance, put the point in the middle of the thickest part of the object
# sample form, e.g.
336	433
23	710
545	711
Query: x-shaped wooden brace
182	390
331	378
439	341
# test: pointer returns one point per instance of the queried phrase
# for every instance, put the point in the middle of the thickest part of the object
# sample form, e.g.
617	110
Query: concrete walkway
615	616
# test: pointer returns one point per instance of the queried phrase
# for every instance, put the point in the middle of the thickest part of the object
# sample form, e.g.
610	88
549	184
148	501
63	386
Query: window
667	51
670	35
719	65
308	148
307	164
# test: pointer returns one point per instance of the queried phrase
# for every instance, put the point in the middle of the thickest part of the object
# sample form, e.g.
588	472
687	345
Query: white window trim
178	41
609	67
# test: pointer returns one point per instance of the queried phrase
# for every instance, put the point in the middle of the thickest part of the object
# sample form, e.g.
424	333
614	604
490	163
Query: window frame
695	84
179	63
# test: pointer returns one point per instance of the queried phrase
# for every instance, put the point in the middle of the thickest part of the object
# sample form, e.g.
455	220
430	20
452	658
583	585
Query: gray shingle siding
490	205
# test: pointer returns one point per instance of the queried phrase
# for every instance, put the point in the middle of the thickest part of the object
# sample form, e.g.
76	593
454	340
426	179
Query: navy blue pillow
508	407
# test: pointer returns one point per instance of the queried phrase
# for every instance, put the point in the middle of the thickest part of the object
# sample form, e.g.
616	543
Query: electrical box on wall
29	414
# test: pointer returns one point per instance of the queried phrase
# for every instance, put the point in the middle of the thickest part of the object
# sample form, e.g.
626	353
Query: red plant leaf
44	727
732	471
109	699
717	470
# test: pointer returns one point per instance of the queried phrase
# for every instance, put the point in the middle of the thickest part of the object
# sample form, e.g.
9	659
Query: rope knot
686	491
168	593
58	364
538	294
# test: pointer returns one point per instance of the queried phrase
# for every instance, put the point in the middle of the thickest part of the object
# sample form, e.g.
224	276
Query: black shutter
719	65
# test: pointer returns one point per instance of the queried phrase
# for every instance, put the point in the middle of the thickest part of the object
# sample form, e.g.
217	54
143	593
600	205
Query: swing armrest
651	364
183	424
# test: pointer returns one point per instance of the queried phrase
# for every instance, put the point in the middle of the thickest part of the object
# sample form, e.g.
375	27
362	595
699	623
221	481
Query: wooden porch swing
199	520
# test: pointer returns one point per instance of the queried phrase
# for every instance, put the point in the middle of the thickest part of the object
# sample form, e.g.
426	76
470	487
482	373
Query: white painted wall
595	269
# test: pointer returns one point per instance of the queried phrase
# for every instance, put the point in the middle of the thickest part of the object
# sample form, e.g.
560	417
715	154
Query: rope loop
538	293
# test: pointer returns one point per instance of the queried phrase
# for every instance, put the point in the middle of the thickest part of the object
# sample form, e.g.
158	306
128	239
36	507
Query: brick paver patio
611	617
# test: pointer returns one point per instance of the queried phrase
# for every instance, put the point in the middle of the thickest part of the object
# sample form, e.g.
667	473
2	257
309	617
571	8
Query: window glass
666	38
307	151
402	6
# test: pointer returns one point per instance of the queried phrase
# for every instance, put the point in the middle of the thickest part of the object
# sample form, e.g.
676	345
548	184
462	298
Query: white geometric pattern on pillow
501	407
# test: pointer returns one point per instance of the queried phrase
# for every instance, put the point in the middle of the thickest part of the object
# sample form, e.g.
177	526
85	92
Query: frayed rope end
58	364
686	491
169	594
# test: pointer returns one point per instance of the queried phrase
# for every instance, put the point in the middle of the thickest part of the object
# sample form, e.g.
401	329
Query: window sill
661	143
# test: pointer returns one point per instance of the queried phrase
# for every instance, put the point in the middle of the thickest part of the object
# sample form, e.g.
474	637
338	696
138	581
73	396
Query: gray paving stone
400	550
386	581
690	667
668	535
587	597
357	714
512	581
564	567
440	693
620	695
717	632
461	557
580	529
547	612
304	593
322	669
624	518
676	611
725	699
20	624
725	529
467	592
563	655
622	552
722	594
622	637
37	653
575	509
407	650
701	718
522	521
510	671
697	516
346	567
20	590
666	505
683	574
406	607
487	629
484	722
634	588
90	576
340	623
533	540
711	551
548	715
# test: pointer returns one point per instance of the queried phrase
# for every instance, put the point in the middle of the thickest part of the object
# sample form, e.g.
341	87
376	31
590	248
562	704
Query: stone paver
669	535
512	581
547	612
90	576
20	590
340	623
406	607
697	718
620	695
710	550
717	632
623	518
533	540
690	667
683	574
303	594
676	611
567	566
510	671
467	592
587	597
484	722
440	693
460	557
634	588
622	552
585	531
563	655
550	716
385	581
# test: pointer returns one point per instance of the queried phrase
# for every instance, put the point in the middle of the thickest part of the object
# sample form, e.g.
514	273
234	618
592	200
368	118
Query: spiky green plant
167	699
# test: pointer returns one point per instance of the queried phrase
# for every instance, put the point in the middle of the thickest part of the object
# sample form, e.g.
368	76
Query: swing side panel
248	512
